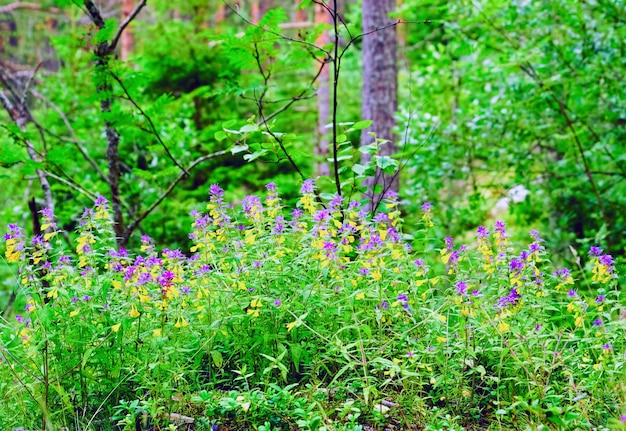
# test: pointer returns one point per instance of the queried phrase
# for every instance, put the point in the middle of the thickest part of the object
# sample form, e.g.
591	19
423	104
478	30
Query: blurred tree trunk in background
126	43
255	12
380	91
264	6
300	14
323	99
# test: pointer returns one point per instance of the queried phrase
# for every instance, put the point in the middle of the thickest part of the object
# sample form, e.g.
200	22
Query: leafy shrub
324	297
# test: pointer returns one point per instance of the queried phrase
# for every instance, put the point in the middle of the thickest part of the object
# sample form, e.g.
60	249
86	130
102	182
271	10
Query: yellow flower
133	311
156	332
360	296
442	339
180	323
116	327
292	325
579	321
503	326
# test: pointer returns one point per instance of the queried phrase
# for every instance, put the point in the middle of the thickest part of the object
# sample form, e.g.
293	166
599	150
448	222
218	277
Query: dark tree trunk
380	90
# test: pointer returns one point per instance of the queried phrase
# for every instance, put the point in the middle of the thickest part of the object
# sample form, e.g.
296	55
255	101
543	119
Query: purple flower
419	262
535	235
277	302
449	243
336	203
19	318
87	298
509	300
173	254
606	260
461	288
47	213
600	298
500	227
74	300
426	206
598	322
572	293
454	258
364	271
563	273
403	298
354	205
165	279
381	217
257	264
185	290
307	187
216	191
516	265
271	187
595	251
144	277
607	346
383	305
202	222
100	201
482	232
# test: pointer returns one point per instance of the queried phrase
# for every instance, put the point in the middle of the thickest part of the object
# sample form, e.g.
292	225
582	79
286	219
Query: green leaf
220	135
384	162
217	358
360	125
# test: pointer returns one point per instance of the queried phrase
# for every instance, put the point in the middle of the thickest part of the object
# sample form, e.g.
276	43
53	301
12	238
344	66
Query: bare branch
127	21
280	35
147	117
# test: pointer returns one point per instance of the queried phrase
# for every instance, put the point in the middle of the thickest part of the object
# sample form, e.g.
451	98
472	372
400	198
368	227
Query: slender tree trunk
380	92
300	14
127	40
264	6
220	14
323	100
255	12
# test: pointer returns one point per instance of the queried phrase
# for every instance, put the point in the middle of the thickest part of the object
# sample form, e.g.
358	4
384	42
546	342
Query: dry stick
147	117
129	230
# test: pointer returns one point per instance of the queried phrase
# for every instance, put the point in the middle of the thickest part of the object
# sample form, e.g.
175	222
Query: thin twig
280	35
124	24
74	139
147	117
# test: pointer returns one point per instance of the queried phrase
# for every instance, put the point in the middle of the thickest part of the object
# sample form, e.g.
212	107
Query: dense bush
349	314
